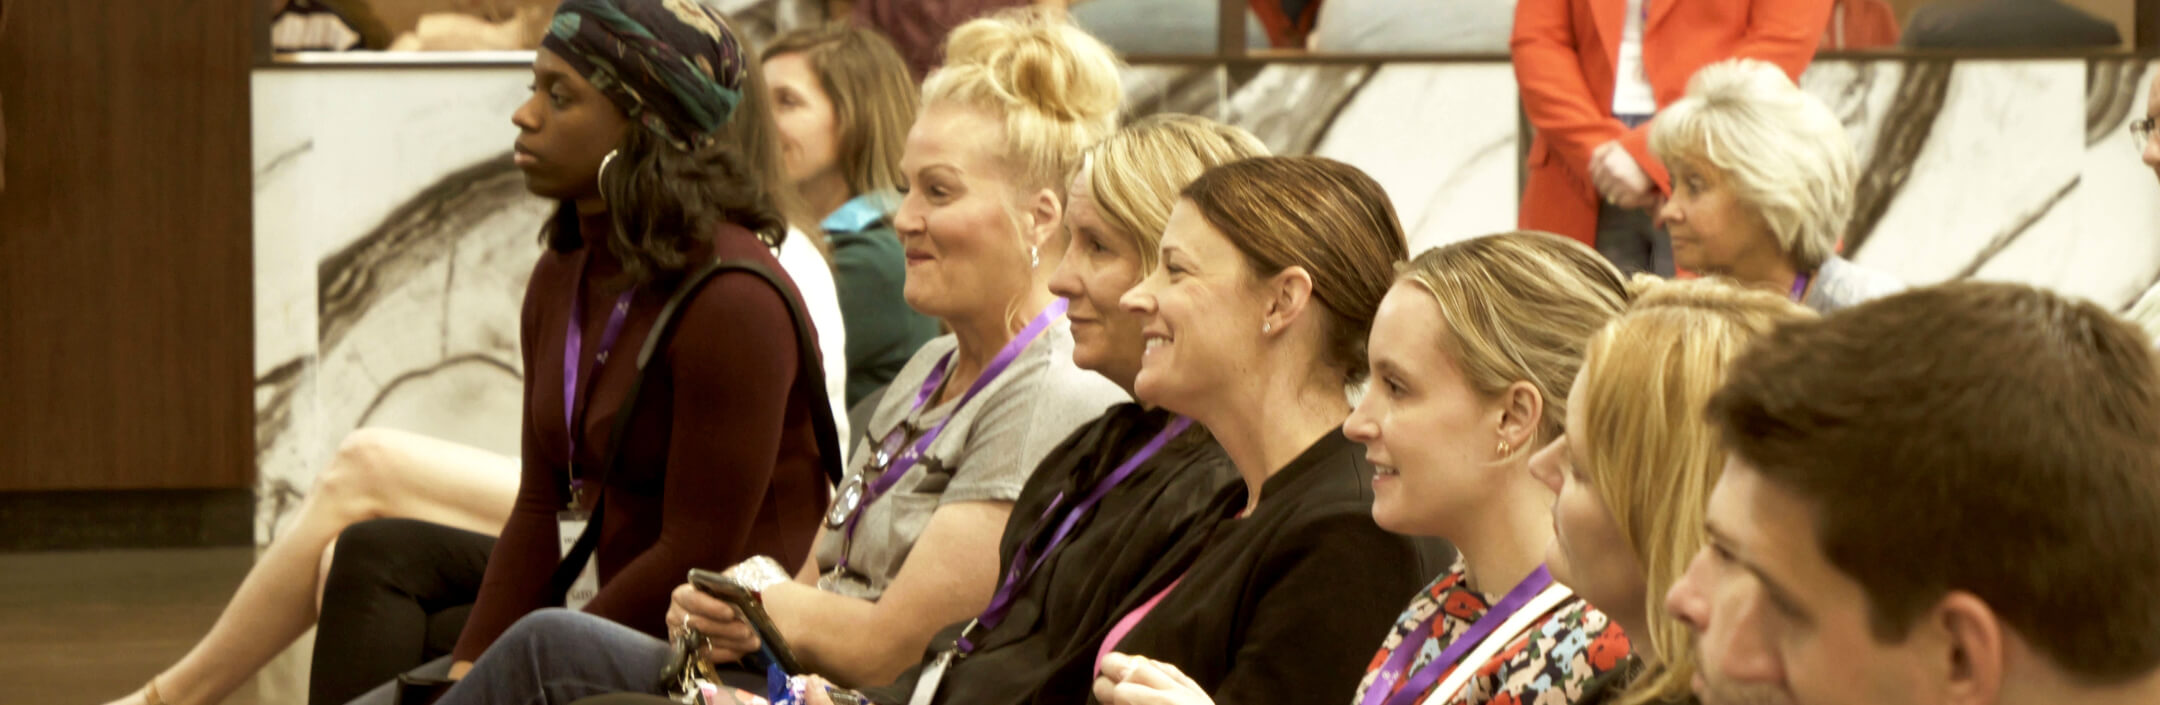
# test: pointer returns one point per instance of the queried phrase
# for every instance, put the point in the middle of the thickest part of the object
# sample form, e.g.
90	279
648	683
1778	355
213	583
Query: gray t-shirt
985	454
1839	283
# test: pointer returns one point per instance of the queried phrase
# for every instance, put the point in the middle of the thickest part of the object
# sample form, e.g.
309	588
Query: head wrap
673	66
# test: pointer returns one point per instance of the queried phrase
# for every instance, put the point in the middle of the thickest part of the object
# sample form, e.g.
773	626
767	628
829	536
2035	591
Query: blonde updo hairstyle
1136	173
1520	307
1651	454
1055	86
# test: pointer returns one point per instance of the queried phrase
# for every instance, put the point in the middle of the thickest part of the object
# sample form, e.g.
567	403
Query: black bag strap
810	372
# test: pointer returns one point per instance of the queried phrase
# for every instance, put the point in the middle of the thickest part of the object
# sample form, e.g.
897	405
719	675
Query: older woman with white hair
1762	186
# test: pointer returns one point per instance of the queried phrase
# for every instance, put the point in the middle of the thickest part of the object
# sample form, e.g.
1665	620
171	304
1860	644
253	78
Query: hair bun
1041	61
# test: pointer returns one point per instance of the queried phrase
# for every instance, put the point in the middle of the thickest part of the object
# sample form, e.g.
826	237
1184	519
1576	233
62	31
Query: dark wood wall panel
125	317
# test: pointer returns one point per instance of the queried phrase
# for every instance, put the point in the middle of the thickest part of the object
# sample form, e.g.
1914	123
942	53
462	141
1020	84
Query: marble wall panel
1442	139
392	240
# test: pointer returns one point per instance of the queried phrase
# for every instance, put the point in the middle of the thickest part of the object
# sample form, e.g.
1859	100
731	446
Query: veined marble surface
392	243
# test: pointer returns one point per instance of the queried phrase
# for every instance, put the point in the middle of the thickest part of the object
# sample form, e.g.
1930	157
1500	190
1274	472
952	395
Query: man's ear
1970	648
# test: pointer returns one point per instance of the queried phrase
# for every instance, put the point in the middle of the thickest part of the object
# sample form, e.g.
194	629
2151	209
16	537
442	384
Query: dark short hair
1990	438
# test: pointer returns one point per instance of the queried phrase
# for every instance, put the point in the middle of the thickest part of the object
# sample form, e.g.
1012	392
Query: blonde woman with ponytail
1633	474
910	542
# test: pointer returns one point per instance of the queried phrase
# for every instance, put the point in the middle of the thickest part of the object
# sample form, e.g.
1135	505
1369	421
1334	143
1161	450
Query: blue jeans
556	656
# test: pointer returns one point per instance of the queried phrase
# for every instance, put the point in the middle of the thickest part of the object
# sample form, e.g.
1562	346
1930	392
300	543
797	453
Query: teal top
870	271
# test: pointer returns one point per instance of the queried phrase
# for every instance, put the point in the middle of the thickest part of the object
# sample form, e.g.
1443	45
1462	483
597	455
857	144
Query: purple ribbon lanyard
900	466
1001	603
573	350
1799	287
1407	650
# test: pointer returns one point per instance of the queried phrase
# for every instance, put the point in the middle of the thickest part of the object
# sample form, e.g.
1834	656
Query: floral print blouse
1548	664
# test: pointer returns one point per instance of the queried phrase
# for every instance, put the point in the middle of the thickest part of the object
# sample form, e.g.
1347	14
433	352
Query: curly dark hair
664	200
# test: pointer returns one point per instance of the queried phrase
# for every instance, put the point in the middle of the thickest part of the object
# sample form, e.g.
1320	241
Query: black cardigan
1067	608
1287	605
1282	606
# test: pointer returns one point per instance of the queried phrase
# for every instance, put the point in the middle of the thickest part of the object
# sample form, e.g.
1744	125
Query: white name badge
926	687
569	525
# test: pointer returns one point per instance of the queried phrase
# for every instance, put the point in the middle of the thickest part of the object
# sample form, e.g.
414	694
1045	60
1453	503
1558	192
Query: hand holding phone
723	635
750	608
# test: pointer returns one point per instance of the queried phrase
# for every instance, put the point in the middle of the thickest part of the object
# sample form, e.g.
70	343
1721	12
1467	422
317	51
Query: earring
604	161
1504	448
1267	326
1034	256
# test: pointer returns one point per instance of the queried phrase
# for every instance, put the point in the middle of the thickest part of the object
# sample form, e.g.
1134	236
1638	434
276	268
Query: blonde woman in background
1762	186
1634	472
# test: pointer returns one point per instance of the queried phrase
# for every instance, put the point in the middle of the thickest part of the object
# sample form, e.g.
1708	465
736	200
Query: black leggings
396	597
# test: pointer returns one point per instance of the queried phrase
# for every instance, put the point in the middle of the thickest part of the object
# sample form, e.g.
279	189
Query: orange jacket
1565	52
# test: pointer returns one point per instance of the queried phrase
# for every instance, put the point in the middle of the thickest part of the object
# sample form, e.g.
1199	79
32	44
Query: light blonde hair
1136	173
1650	453
1519	306
1056	87
872	95
1784	154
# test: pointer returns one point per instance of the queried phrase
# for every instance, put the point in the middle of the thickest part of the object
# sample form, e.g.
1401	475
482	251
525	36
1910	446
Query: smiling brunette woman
1472	353
1254	322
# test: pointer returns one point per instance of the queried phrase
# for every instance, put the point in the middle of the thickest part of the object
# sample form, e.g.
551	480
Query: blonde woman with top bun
910	542
1634	472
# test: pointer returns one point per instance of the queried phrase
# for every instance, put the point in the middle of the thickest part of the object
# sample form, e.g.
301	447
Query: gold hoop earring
604	161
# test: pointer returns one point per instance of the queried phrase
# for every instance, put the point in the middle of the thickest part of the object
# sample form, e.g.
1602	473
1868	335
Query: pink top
1132	619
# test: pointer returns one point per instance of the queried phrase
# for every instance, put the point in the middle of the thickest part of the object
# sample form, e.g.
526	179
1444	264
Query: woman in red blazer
1565	54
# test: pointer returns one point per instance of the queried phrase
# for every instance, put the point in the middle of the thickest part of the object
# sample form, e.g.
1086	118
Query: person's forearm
838	636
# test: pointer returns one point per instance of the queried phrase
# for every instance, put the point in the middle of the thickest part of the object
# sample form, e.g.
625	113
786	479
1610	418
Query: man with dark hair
1951	495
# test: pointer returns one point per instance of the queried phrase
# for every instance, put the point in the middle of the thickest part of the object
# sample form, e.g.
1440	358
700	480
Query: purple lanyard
897	467
1412	643
1001	603
1799	287
573	351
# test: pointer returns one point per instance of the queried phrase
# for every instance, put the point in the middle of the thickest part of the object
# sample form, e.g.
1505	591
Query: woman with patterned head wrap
647	124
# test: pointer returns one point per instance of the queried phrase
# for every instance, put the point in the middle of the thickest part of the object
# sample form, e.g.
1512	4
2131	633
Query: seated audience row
1218	435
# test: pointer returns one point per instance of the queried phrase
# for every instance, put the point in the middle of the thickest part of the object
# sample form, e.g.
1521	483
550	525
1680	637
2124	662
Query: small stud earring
1503	448
1267	326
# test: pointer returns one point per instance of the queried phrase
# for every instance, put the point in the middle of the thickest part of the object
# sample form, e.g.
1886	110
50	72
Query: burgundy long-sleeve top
720	462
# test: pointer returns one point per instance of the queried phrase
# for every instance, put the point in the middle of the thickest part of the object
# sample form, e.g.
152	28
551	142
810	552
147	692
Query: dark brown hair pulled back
1318	214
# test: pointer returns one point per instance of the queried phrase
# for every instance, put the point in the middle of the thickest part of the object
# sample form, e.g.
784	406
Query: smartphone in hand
752	609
